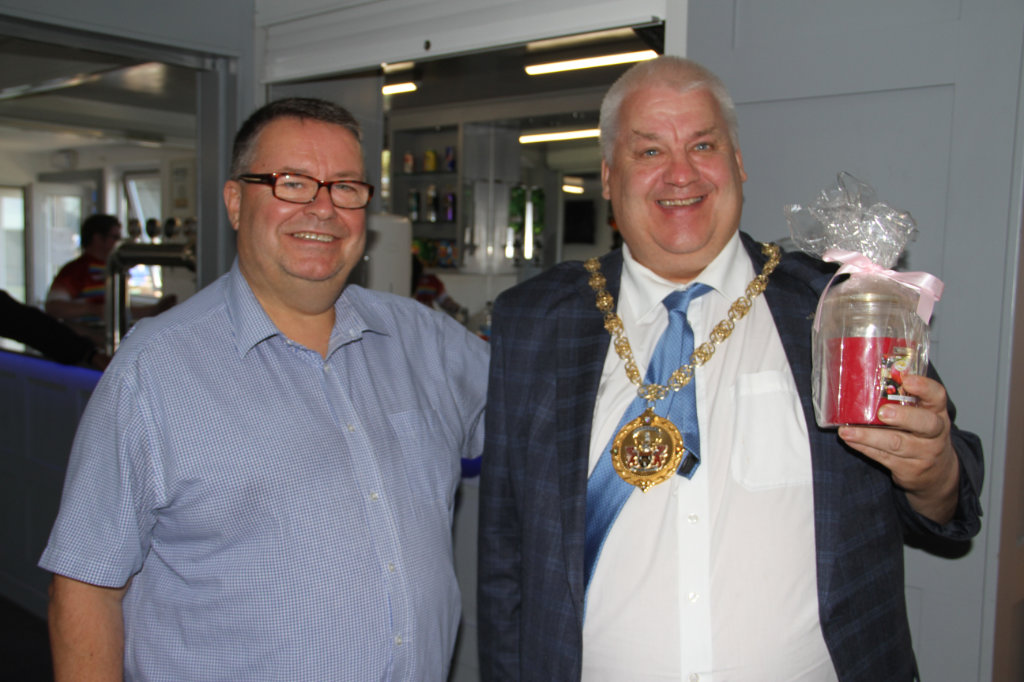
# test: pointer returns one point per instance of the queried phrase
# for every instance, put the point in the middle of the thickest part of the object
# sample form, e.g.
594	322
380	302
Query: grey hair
682	74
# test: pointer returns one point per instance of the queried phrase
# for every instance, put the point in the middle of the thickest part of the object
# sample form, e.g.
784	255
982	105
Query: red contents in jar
863	374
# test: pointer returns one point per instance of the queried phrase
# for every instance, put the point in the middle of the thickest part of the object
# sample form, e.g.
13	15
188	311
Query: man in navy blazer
673	171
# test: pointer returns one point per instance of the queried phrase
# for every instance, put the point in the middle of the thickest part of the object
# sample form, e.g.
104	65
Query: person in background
154	230
54	339
78	291
771	549
134	230
429	290
262	485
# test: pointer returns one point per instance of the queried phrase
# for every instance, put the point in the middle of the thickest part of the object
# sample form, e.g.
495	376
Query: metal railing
124	258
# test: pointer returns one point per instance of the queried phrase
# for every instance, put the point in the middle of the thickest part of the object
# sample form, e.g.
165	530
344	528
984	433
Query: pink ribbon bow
929	287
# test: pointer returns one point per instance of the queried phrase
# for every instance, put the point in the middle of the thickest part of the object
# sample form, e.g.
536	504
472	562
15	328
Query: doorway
74	103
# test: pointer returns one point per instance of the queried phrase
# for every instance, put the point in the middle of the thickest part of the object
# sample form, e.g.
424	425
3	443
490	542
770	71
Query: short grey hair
667	70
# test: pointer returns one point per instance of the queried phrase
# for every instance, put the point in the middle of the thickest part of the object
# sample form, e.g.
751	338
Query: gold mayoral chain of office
648	450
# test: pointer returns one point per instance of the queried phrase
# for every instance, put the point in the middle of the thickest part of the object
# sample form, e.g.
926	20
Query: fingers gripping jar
868	335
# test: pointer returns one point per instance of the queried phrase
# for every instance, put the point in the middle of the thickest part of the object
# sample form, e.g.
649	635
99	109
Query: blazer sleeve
966	522
499	544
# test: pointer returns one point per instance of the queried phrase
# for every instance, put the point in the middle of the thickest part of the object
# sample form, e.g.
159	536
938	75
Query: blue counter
40	405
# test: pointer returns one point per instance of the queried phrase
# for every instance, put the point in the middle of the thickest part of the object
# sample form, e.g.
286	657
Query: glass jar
867	337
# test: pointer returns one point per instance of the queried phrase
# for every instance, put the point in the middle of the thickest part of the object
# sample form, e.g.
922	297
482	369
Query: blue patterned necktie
606	491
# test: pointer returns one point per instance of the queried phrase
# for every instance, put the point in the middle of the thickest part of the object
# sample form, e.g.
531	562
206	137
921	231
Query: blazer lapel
581	345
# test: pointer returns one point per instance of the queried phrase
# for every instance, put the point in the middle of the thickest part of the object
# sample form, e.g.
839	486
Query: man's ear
605	170
233	201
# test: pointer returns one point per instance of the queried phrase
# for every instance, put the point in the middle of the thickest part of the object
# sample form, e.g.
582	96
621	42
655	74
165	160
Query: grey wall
224	27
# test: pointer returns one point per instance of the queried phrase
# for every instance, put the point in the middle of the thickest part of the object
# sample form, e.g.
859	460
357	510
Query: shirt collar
642	290
354	314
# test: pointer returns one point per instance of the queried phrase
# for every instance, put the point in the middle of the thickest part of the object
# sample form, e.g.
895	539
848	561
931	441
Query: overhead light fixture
581	39
559	136
398	88
591	62
572	184
396	67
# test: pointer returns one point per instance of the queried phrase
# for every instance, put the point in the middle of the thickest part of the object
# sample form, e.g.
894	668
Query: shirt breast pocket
770	447
429	455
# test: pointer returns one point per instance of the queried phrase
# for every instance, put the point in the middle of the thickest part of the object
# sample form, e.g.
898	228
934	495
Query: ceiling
499	75
56	97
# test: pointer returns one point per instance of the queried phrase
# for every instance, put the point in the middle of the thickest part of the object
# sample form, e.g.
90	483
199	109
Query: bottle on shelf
448	210
430	161
432	204
414	204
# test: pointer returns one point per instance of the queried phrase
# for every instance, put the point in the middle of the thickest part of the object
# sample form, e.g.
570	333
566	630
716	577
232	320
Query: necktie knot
679	301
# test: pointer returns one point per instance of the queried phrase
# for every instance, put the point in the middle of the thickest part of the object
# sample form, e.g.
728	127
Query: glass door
56	217
12	242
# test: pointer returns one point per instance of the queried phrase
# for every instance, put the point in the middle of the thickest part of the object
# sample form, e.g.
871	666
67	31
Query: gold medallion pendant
647	451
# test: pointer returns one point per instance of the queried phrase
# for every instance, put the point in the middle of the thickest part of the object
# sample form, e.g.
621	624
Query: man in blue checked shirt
262	485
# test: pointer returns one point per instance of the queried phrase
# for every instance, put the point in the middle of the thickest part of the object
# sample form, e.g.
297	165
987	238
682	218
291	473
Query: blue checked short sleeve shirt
279	516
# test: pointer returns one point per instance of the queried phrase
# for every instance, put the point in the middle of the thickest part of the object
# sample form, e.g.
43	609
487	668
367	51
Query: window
142	202
12	242
142	197
57	213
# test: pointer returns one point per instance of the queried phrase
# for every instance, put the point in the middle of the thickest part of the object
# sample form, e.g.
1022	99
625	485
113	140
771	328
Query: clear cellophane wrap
871	325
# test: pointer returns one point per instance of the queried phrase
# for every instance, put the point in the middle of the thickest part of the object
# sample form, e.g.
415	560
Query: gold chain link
684	375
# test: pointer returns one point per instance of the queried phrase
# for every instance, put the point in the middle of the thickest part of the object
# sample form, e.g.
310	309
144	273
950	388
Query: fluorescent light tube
559	136
396	88
591	62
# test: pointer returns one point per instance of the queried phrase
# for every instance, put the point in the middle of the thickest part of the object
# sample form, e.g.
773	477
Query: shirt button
391	568
327	368
398	640
351	428
693	597
693	518
694	677
374	496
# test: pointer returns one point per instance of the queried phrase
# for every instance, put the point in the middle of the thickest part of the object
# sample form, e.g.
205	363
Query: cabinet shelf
424	230
425	175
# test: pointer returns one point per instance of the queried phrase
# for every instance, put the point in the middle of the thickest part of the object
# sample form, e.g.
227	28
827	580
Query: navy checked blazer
548	349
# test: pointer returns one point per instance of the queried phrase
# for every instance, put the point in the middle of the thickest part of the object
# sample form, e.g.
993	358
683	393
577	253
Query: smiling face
298	255
675	180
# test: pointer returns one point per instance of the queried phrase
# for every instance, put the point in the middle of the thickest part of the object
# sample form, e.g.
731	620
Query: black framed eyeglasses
302	189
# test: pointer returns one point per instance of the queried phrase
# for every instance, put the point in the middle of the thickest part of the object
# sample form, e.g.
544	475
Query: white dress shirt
712	578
